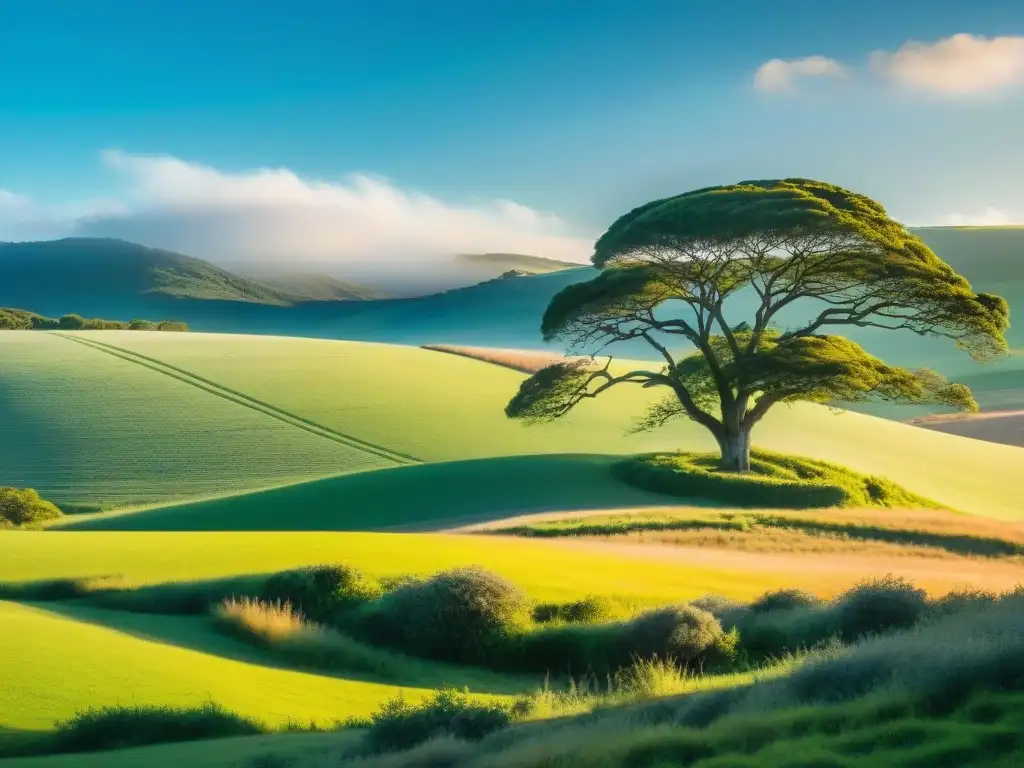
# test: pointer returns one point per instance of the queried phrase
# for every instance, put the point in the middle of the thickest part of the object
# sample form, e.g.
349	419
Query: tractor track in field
244	400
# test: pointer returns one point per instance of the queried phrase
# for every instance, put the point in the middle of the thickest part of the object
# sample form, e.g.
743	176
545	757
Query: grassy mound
774	480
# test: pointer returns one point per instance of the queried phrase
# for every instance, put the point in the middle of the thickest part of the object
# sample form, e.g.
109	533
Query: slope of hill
502	262
82	411
92	430
313	287
101	276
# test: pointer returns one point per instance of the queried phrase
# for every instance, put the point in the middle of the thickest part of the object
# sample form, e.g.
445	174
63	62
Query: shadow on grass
416	498
197	633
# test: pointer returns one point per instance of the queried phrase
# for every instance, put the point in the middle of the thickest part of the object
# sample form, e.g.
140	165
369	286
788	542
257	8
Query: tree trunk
735	445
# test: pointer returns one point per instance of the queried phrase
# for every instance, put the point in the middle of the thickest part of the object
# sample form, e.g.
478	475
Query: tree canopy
669	267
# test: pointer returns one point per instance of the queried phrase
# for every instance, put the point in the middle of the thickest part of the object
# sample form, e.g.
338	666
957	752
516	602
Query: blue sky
574	108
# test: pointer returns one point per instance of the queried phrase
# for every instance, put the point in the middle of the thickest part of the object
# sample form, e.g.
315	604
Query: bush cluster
24	506
774	480
786	621
683	635
121	727
24	320
399	725
321	593
462	615
589	610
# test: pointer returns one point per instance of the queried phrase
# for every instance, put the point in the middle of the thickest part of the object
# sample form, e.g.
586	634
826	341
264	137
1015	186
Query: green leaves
668	267
550	393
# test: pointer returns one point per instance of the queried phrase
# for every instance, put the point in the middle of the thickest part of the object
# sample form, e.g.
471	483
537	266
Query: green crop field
123	419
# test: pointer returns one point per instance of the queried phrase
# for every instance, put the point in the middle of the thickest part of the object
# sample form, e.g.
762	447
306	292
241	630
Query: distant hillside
311	287
101	276
503	262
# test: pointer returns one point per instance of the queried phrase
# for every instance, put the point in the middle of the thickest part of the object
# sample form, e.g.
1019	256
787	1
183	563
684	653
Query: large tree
673	269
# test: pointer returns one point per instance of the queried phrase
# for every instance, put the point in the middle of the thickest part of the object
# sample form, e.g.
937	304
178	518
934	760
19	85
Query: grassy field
420	497
361	406
548	570
239	752
156	661
92	429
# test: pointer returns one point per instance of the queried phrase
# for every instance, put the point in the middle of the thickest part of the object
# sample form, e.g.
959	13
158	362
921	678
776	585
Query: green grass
223	753
356	404
55	664
423	496
88	429
774	480
548	570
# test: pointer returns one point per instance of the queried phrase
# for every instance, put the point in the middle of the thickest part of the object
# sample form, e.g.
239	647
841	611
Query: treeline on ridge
24	320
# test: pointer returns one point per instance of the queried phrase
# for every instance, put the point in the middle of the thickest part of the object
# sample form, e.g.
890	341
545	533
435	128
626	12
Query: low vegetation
933	533
24	507
286	633
947	691
24	320
121	727
774	480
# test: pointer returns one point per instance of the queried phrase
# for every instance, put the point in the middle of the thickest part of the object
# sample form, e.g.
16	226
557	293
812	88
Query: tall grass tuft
281	629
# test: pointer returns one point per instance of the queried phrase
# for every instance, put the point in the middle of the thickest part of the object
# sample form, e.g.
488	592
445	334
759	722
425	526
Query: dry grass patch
522	360
921	532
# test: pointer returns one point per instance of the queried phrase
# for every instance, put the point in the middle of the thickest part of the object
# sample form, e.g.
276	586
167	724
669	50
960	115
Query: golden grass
522	360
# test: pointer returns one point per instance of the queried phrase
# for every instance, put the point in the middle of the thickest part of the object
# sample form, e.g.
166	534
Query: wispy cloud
273	214
779	75
959	65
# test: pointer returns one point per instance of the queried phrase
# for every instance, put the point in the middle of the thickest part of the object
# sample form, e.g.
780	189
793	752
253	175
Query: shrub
881	605
321	592
589	610
683	634
25	507
963	599
172	325
777	633
784	600
71	322
120	727
142	325
398	725
457	615
286	633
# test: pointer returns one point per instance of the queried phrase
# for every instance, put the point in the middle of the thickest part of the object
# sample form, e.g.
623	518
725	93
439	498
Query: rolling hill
127	418
314	287
502	313
496	263
105	277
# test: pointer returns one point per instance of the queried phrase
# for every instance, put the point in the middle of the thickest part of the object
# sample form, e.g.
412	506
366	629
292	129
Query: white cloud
988	217
779	75
959	65
22	218
274	215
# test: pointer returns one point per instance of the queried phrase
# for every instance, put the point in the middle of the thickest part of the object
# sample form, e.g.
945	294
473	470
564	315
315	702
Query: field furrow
237	397
93	431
